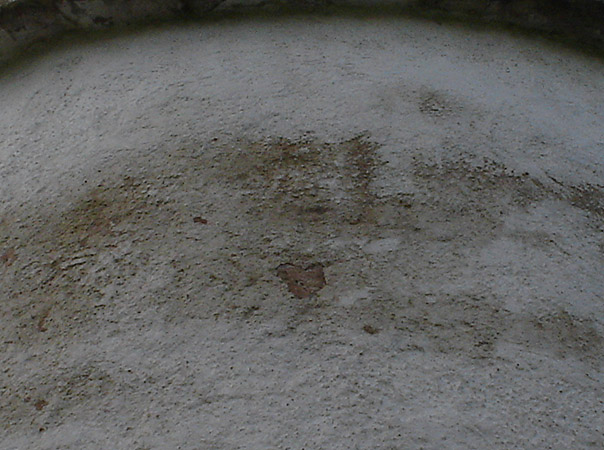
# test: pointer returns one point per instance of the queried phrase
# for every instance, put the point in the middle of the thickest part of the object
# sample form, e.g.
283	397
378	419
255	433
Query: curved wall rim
23	22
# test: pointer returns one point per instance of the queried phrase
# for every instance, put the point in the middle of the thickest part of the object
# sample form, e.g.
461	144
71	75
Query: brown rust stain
303	282
97	214
303	181
40	404
67	279
324	190
41	324
8	257
369	329
361	166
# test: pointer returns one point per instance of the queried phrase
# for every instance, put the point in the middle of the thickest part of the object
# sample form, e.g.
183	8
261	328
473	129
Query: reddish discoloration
40	404
8	257
42	321
302	282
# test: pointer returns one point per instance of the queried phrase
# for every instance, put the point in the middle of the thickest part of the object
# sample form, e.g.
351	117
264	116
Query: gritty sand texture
306	232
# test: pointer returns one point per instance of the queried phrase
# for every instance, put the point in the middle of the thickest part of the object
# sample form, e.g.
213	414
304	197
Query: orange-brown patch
302	282
40	404
8	257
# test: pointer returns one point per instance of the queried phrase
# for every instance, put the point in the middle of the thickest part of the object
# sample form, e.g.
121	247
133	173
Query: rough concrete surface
304	232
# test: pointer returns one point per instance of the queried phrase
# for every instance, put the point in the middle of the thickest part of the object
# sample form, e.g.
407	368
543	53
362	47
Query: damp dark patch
361	166
461	325
100	212
473	327
321	191
588	197
461	188
105	21
437	104
315	212
369	329
479	187
564	334
58	294
61	389
303	180
307	195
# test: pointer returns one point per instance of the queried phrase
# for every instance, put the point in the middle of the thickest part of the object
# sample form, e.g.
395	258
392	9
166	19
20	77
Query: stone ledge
23	22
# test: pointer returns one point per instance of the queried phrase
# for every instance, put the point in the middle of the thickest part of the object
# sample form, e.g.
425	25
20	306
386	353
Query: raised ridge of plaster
23	22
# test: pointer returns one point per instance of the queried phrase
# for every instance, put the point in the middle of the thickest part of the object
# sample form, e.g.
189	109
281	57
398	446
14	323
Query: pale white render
271	231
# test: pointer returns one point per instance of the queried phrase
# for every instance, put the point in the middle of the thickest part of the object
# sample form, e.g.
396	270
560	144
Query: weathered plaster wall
314	231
